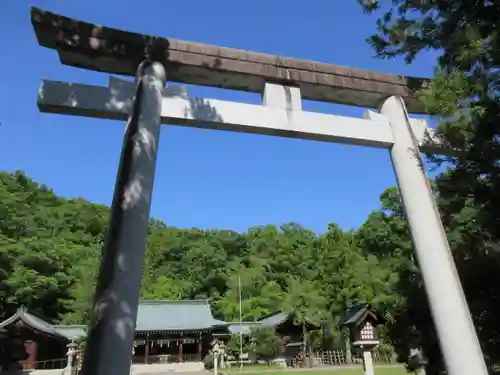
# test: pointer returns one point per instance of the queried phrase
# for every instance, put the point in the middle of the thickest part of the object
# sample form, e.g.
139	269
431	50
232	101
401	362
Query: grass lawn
339	371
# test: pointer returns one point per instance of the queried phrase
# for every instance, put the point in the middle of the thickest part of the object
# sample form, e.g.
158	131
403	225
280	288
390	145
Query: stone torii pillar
452	319
112	329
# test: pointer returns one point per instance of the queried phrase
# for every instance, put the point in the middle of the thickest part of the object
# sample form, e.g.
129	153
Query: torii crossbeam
283	83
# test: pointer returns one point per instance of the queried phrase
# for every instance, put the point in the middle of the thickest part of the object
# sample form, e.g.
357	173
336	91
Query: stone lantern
362	321
364	335
72	346
218	354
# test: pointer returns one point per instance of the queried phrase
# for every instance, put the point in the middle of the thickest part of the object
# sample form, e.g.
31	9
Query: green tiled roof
72	332
274	319
32	321
244	328
152	316
279	317
268	321
184	315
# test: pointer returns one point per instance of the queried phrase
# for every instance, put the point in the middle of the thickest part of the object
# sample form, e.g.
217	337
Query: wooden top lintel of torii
115	51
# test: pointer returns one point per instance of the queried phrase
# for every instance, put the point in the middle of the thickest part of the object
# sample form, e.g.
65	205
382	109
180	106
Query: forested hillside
50	246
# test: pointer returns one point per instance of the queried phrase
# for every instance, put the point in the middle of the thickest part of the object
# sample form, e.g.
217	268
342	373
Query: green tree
260	295
236	345
166	288
266	345
81	294
307	304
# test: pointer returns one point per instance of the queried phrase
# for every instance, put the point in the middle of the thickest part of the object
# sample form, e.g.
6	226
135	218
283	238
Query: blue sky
204	178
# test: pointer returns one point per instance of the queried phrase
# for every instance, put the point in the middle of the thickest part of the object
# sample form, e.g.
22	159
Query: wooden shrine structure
27	338
282	322
167	331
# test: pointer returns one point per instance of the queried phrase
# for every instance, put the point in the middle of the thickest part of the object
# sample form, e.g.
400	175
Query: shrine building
167	331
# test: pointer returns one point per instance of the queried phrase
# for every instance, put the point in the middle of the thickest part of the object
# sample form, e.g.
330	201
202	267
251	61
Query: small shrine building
282	322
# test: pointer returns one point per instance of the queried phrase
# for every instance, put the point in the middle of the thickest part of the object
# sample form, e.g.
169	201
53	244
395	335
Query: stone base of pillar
368	363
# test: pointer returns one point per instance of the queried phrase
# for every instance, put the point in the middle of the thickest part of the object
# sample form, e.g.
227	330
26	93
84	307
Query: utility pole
241	324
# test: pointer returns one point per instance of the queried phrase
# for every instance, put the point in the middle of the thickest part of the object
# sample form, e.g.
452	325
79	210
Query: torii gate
283	83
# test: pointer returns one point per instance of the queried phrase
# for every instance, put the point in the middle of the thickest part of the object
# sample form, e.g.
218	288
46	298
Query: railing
165	358
49	364
338	357
191	358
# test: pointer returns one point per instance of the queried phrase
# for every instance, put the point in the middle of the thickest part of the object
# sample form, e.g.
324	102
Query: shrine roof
182	315
34	322
72	332
280	317
243	327
114	51
357	314
274	319
152	316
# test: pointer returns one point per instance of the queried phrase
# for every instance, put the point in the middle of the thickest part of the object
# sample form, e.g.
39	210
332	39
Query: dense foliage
236	346
265	345
50	249
50	246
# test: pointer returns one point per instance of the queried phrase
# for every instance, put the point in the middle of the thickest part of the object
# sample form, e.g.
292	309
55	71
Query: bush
266	345
233	347
386	350
208	361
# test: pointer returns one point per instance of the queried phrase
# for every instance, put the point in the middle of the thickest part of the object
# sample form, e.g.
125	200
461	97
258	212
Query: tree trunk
304	338
348	352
